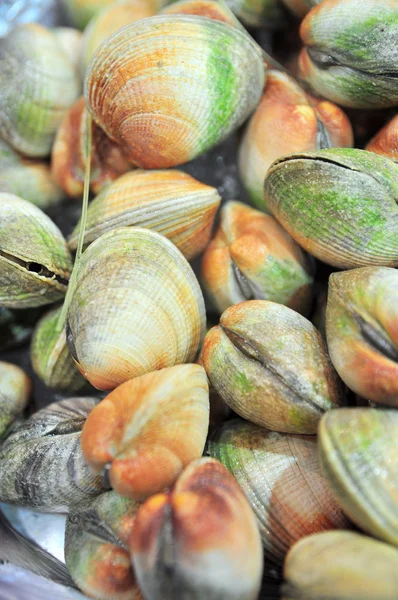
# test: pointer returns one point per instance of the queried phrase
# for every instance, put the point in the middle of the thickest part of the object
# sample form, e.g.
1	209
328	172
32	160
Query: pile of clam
197	446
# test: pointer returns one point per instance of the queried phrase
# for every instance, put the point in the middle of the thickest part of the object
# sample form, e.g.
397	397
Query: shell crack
35	268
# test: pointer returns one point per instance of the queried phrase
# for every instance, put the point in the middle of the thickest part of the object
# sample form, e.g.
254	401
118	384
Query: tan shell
385	142
170	202
144	312
15	387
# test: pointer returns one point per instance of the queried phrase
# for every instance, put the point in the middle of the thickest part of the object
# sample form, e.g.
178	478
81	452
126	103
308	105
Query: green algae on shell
340	204
270	365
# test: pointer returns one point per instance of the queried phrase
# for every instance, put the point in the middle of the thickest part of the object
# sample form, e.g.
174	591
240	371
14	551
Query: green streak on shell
243	382
282	278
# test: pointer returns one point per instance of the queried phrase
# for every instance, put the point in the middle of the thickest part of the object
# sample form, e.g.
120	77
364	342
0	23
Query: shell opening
70	343
35	268
376	339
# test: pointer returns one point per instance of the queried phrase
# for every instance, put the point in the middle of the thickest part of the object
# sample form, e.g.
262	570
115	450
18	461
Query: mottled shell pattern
198	541
170	202
170	87
287	120
252	257
34	258
41	85
112	343
270	365
15	387
42	448
281	478
148	429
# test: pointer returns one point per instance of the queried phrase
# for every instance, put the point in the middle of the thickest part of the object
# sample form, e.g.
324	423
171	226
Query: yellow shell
137	307
170	87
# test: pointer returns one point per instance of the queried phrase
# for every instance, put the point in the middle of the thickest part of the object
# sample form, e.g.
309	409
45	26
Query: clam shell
281	478
362	334
270	365
71	42
96	555
41	85
300	7
259	13
41	463
138	433
170	202
202	8
341	565
252	257
79	12
338	204
287	120
50	357
359	455
144	312
385	142
182	83
15	387
35	263
198	541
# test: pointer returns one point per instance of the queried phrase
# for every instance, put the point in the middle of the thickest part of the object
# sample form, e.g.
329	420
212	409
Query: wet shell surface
15	387
252	257
35	263
270	365
385	142
139	268
41	85
170	202
338	204
359	456
170	87
198	541
281	478
148	429
202	8
41	462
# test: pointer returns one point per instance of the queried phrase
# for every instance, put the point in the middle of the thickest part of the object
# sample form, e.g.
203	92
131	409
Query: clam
281	478
213	9
170	202
30	179
270	365
71	42
41	463
145	311
79	12
359	455
385	142
338	204
96	554
41	84
287	120
68	159
362	333
341	565
351	52
35	263
50	357
252	257
300	7
15	388
200	540
148	429
183	83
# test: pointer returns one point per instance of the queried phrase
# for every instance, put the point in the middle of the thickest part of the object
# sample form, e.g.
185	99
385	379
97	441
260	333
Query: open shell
182	83
138	268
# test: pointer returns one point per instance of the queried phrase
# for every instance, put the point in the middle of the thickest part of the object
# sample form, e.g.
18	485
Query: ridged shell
96	537
50	357
41	462
202	8
252	257
79	12
359	455
182	84
281	478
341	565
68	159
286	121
15	387
270	365
40	84
35	262
198	541
148	429
170	202
385	142
144	312
351	52
362	331
338	204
